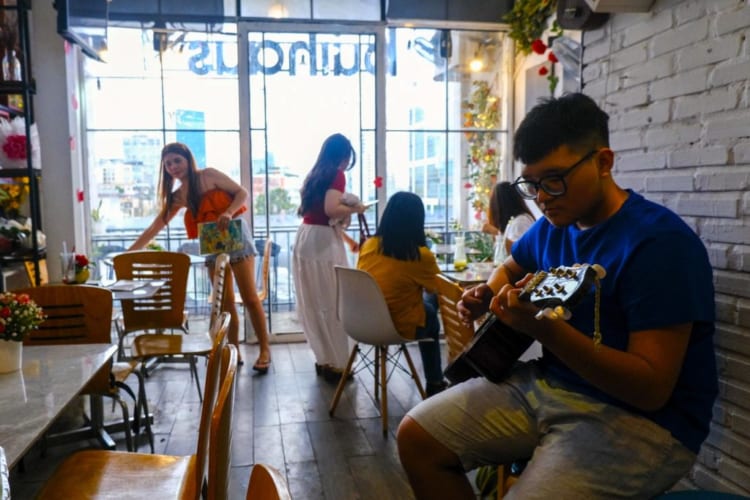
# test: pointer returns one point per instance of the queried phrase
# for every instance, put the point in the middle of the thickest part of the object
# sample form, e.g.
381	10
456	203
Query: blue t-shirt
658	274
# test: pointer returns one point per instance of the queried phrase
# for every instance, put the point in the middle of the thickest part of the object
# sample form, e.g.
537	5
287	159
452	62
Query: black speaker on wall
485	11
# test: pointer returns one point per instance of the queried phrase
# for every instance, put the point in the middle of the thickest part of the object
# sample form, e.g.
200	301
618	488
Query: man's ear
605	160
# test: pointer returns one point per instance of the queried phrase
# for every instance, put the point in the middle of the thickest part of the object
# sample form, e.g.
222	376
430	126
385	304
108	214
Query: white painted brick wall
682	36
675	81
699	156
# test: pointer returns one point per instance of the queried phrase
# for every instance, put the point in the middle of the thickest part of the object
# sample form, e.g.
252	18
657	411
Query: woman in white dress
509	218
318	248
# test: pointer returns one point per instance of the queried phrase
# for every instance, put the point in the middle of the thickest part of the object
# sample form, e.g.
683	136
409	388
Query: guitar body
496	347
491	354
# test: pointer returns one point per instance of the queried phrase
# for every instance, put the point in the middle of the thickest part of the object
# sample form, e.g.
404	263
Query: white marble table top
32	398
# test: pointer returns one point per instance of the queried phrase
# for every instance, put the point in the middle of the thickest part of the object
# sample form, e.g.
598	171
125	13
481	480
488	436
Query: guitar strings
597	302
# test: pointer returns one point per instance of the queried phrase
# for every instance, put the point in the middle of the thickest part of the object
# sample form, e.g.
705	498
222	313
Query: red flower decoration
468	185
538	46
15	147
552	57
79	195
81	260
478	214
378	182
5	312
543	71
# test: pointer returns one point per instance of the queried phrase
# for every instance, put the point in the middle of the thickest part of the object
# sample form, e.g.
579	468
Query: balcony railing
281	296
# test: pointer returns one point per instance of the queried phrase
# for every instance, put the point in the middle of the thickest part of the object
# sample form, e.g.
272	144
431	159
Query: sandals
262	366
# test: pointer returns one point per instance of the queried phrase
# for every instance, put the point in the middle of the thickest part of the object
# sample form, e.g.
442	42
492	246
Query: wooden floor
280	419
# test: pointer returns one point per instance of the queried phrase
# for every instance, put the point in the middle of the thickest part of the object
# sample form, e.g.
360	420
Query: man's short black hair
573	120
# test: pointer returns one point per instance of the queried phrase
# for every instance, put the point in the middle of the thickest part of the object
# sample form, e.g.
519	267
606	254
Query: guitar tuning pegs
563	313
547	312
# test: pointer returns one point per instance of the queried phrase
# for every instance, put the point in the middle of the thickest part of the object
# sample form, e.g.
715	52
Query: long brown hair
505	203
335	150
166	181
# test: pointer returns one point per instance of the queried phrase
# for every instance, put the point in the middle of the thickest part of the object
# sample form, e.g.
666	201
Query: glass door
301	84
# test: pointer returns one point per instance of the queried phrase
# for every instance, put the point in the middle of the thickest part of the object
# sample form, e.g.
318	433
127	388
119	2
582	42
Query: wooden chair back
457	335
165	309
264	269
220	444
267	483
214	375
75	314
219	288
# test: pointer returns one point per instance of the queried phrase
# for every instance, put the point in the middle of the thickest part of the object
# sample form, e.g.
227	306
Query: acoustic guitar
496	347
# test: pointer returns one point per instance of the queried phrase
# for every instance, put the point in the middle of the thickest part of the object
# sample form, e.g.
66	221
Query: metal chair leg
126	421
194	372
143	404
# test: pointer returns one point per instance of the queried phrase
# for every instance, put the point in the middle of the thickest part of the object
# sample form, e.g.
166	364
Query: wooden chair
361	307
265	269
267	483
79	314
110	474
163	311
457	334
155	345
220	457
263	293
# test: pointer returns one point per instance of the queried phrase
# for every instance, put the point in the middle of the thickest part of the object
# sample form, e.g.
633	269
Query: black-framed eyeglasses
553	185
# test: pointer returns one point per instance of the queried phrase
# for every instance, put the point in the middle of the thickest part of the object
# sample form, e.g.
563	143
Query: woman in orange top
211	196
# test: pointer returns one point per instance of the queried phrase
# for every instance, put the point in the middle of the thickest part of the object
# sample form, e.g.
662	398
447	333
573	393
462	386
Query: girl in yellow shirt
399	260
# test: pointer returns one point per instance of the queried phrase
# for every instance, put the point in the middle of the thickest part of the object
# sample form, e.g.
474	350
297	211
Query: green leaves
528	20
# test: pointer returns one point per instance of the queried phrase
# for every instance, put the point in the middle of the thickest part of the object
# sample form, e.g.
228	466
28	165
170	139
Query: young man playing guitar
620	418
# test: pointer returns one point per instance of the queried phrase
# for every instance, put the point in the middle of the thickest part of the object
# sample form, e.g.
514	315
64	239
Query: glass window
444	114
351	10
140	100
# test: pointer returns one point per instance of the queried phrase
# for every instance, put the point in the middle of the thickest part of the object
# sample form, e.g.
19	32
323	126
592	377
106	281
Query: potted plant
81	268
528	21
18	316
75	268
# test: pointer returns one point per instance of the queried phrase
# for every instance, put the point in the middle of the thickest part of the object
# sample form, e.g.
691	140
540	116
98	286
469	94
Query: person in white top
509	218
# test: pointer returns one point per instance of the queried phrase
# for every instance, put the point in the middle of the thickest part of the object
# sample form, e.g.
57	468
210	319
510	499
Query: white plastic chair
361	308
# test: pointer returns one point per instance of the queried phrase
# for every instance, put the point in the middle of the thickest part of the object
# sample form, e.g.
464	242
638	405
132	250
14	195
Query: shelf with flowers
18	316
15	229
481	118
13	144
